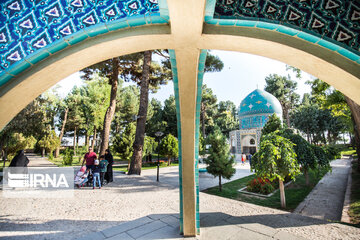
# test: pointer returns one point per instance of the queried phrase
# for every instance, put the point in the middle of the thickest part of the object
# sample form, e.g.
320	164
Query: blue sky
242	74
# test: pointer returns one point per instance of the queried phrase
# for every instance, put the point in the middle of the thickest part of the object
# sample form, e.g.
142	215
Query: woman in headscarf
109	172
20	160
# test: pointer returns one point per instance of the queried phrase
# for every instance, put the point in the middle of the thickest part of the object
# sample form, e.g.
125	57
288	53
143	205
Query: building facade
254	112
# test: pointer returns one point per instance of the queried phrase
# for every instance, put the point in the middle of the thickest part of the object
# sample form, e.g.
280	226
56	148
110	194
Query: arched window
252	141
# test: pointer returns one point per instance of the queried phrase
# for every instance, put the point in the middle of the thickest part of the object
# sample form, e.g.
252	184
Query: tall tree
157	122
169	147
226	117
207	109
75	116
135	165
169	116
283	88
123	143
220	161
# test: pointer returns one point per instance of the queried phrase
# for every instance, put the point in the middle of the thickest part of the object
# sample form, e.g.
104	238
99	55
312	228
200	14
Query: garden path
327	198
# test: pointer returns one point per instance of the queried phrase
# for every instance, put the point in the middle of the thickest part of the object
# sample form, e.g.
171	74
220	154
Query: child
96	174
103	168
81	177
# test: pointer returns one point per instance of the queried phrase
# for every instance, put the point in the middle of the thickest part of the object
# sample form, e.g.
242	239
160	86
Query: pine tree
123	143
220	161
169	147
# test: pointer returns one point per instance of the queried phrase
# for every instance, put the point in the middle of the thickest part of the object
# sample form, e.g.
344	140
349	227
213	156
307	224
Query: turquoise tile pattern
32	30
177	103
331	24
200	75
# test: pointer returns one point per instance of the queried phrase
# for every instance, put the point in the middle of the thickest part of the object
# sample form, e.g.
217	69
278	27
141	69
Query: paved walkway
326	200
137	207
38	161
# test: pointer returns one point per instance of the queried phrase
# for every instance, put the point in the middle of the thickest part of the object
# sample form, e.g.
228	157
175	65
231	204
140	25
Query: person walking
89	158
103	168
96	174
243	158
109	171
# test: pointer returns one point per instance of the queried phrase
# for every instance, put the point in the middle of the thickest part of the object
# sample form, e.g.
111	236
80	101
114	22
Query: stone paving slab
214	226
145	229
326	200
126	226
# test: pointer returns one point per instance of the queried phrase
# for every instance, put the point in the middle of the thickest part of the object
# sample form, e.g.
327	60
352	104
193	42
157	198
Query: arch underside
187	27
329	66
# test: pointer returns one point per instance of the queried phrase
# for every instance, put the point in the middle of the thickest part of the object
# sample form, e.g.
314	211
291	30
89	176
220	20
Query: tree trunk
57	152
111	109
4	157
136	160
286	115
87	138
77	142
203	119
282	194
306	173
43	152
355	117
220	186
74	143
94	139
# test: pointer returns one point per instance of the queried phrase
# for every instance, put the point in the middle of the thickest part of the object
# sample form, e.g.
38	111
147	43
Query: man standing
89	158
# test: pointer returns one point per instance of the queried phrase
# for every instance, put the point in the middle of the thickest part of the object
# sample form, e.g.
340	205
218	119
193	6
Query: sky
242	73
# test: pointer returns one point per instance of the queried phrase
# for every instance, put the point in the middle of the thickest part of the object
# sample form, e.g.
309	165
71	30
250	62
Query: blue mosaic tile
37	57
308	37
348	54
265	25
333	19
19	67
42	26
96	30
4	77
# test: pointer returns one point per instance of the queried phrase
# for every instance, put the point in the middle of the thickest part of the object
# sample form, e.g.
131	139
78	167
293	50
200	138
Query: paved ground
137	207
37	161
327	198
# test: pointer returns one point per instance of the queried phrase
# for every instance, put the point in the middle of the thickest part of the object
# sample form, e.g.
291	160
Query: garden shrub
51	156
332	152
68	157
261	186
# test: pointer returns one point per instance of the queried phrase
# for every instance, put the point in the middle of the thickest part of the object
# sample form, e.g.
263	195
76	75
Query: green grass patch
147	166
348	152
354	211
77	160
295	192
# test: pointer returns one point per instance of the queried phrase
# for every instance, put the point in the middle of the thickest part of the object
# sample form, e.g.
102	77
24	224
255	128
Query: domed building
254	112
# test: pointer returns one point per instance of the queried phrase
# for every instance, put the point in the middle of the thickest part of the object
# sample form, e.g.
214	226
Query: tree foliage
169	147
276	158
272	125
283	88
220	161
122	143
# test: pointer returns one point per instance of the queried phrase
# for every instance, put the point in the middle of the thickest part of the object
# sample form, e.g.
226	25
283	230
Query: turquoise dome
260	102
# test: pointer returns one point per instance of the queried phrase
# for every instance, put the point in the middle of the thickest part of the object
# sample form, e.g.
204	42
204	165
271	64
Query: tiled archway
43	41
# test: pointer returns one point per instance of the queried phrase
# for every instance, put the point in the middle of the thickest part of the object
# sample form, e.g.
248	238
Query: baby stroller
81	177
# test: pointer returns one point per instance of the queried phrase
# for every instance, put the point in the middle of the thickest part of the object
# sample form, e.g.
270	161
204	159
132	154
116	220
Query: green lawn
354	210
77	160
147	166
295	192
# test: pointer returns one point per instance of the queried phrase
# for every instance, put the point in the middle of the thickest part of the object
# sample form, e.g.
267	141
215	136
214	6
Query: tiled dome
258	102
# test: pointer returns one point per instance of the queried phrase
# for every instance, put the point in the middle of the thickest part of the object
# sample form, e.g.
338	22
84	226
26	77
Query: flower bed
262	187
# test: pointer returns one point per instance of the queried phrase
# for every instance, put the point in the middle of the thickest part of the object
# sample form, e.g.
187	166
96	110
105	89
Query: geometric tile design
337	21
31	30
